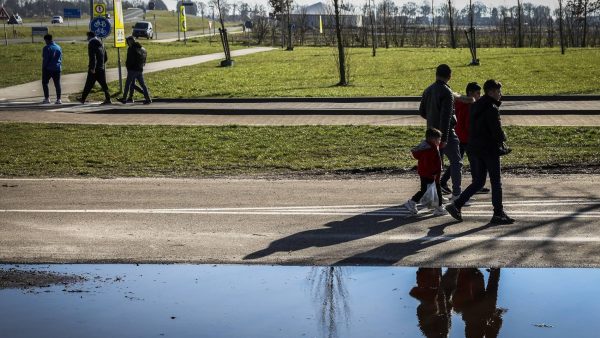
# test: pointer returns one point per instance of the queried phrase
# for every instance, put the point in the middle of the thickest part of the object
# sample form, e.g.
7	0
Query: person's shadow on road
337	232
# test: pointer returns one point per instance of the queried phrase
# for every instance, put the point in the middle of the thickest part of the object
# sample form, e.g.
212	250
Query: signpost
119	35
4	16
101	26
38	31
74	13
181	26
99	10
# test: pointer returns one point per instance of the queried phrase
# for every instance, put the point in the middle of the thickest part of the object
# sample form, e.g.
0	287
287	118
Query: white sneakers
411	206
46	101
58	101
439	211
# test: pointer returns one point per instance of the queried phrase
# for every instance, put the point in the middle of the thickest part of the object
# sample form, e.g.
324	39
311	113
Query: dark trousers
452	151
481	166
130	86
424	183
446	177
55	76
100	76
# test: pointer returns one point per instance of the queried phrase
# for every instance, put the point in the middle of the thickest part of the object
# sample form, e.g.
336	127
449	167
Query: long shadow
391	253
351	229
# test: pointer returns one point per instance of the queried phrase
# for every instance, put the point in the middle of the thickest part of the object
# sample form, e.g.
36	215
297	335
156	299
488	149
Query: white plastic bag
430	198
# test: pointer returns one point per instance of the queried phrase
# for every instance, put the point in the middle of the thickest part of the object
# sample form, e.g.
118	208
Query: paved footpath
73	83
304	222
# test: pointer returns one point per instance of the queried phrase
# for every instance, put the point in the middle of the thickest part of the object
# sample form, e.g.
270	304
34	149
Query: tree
342	66
520	24
560	26
451	24
222	7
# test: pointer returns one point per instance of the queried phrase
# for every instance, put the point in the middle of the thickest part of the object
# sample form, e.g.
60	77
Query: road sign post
4	16
38	31
119	36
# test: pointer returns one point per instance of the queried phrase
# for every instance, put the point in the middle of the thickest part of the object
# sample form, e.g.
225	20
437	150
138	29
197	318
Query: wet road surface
289	301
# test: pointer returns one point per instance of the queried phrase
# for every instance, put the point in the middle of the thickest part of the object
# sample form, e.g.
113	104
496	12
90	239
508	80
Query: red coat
461	110
429	163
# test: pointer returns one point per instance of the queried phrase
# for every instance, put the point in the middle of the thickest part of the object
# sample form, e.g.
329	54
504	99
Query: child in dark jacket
429	167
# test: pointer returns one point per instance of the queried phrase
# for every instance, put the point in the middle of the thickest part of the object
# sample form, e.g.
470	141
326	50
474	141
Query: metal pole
120	75
91	10
155	27
5	38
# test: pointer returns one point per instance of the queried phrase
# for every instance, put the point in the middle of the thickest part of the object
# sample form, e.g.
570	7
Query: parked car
57	19
15	20
143	28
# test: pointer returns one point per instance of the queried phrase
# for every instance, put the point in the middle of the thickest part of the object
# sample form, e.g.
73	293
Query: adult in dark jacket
51	68
485	138
96	68
437	106
136	59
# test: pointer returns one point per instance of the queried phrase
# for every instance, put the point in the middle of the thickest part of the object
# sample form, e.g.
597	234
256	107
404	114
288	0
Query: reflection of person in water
477	304
434	291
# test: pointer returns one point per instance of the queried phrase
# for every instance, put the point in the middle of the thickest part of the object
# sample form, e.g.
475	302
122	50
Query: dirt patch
15	278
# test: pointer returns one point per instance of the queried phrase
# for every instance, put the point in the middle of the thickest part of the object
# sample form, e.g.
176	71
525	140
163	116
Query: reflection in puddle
282	301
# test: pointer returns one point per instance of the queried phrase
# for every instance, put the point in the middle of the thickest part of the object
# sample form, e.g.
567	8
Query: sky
458	3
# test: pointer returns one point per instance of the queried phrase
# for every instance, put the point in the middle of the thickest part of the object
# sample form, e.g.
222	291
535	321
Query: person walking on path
437	106
96	68
486	145
461	109
136	60
51	68
429	167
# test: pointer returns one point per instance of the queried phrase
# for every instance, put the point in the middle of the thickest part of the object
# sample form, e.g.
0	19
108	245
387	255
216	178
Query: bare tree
341	57
451	24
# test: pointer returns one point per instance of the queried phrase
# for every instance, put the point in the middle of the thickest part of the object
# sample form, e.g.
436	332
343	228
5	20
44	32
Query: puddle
282	301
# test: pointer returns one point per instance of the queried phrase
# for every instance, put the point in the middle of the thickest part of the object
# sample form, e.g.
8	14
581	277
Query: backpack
141	56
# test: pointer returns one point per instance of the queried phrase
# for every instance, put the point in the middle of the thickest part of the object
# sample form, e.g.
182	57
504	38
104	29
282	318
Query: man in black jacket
485	139
96	68
136	59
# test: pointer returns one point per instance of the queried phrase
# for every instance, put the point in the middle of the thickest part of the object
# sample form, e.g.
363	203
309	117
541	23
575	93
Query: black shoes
454	212
147	101
483	190
106	102
502	218
445	189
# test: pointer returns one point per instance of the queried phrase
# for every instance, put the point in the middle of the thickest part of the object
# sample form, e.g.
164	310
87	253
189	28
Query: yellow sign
182	22
99	10
119	30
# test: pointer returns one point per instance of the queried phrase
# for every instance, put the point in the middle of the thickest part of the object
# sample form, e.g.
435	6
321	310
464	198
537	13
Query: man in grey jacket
437	106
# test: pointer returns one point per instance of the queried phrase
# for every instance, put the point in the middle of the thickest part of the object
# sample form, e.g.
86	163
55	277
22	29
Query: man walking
486	138
51	68
96	68
437	106
136	60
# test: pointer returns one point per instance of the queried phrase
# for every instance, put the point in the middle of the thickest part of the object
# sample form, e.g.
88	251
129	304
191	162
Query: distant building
319	11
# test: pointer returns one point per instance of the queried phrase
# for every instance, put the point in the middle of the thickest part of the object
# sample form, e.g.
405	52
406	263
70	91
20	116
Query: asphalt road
304	222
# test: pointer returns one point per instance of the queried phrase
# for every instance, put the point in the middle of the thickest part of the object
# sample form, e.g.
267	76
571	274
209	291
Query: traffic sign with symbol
100	26
3	13
99	10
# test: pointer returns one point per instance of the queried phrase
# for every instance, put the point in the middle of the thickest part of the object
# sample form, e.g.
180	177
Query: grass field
55	150
311	72
26	59
162	21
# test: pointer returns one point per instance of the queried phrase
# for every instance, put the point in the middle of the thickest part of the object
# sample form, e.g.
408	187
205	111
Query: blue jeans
481	165
133	75
55	76
452	151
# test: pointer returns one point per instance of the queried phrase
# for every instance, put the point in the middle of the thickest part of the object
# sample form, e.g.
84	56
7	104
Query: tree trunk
340	44
560	27
451	23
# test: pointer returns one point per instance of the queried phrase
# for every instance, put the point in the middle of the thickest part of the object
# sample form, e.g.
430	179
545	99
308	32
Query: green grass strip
66	150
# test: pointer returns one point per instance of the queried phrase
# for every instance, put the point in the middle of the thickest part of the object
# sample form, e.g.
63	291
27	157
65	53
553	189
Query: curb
514	98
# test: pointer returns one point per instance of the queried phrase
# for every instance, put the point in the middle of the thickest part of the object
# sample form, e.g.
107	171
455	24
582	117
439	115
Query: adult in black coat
96	68
486	138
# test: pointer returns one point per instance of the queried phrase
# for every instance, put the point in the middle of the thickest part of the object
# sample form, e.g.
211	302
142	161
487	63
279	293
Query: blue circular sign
100	26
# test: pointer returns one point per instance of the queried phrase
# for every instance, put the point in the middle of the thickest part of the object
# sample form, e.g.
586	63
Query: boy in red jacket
429	167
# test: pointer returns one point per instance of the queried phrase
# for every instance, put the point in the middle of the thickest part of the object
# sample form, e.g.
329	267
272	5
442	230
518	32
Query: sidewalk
73	83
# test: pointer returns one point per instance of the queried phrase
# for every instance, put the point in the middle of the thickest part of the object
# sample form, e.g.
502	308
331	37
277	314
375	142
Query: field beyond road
57	150
312	72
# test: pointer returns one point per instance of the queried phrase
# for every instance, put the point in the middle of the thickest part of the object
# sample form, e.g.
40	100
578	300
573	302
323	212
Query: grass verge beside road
312	72
60	150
